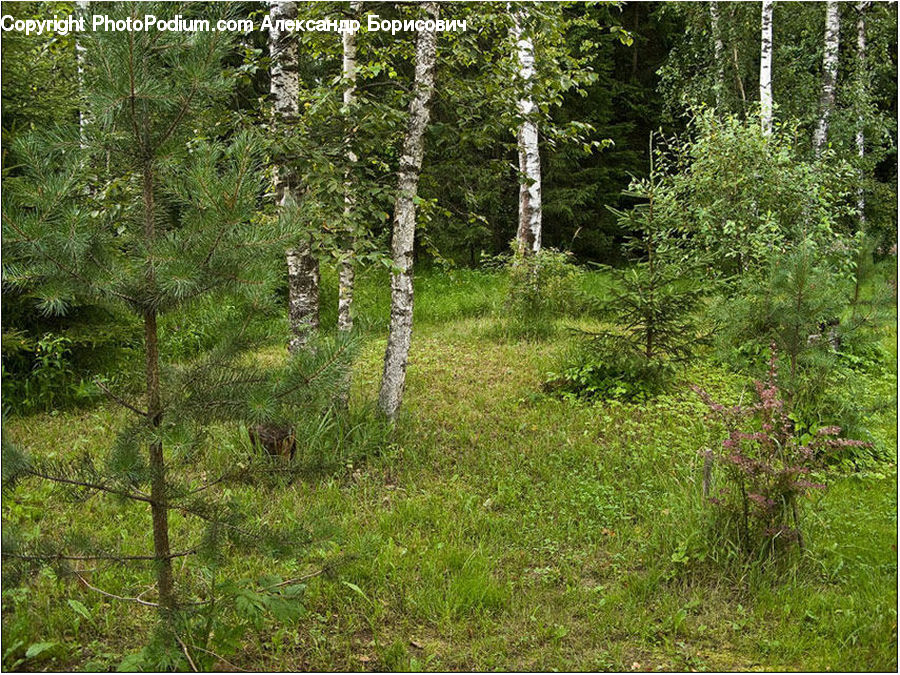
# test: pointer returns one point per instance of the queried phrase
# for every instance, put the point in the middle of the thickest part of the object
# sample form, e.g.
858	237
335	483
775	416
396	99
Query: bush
601	370
542	288
653	307
741	195
766	467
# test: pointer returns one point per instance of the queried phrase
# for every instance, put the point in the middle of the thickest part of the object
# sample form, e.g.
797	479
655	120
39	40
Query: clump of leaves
766	468
543	286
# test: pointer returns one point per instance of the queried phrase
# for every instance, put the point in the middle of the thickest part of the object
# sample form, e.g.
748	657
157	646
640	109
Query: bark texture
861	98
829	73
765	68
159	508
81	8
404	227
347	273
284	86
528	234
718	51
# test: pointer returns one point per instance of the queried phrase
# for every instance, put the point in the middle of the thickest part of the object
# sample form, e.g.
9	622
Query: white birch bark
861	97
81	7
347	272
829	73
765	68
718	52
528	233
303	268
393	378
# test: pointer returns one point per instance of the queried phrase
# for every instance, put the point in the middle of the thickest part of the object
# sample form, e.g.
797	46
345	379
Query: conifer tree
170	223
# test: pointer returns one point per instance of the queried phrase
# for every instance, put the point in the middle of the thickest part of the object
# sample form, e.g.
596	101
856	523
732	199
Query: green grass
498	530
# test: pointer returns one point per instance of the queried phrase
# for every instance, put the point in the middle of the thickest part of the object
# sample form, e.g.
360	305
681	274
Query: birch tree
829	73
718	51
81	8
303	268
528	234
348	270
861	95
765	68
404	226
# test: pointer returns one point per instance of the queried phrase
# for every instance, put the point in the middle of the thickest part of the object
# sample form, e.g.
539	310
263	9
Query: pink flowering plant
767	469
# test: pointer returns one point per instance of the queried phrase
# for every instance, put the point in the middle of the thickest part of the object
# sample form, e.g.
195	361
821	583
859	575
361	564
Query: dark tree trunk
159	503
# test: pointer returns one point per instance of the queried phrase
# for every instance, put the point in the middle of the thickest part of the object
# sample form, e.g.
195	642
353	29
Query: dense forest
405	336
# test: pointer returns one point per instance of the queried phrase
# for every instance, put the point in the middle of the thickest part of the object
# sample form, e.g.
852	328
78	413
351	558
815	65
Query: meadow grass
495	529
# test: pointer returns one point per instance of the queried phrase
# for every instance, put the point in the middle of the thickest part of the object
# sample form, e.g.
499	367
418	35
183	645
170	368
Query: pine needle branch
122	402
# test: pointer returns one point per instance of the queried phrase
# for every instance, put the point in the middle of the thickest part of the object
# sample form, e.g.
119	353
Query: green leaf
39	648
133	663
81	609
356	588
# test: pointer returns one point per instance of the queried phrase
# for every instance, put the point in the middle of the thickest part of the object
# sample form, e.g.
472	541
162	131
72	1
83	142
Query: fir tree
140	212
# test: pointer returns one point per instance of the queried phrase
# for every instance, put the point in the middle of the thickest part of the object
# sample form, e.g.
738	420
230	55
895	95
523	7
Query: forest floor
500	529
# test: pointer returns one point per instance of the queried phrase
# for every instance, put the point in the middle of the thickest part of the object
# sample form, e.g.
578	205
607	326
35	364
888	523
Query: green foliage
739	196
542	288
804	306
652	308
539	522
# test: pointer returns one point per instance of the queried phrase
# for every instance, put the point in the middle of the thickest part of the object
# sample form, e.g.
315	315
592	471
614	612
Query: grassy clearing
499	529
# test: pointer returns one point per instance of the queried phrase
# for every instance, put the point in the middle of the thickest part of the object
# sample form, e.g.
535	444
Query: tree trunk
829	73
159	500
861	99
718	52
395	358
284	86
765	68
81	8
348	270
528	234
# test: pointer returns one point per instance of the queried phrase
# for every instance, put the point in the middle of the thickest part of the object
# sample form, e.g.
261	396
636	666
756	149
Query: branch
222	659
64	268
118	400
112	595
91	486
186	653
314	376
114	558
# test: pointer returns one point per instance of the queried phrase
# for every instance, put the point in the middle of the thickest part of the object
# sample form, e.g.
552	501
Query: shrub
739	195
542	287
821	320
601	370
766	466
653	309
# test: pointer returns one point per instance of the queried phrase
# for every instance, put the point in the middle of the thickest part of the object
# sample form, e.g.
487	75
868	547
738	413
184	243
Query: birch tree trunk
395	358
829	73
718	52
861	98
765	68
528	234
81	8
348	269
303	268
